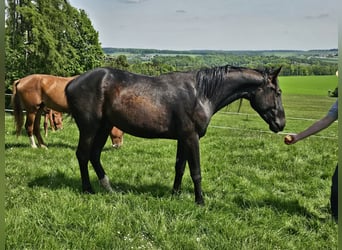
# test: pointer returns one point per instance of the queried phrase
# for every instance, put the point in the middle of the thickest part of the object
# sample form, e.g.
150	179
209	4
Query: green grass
308	85
259	193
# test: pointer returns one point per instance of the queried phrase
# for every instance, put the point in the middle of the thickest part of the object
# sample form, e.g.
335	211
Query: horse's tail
17	109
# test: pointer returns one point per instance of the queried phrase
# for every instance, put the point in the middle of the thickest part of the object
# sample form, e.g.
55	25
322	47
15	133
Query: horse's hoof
43	146
176	192
200	202
88	191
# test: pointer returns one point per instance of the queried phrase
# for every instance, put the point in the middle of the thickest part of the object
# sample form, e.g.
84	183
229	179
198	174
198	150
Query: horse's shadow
56	145
157	190
281	205
15	145
60	181
56	181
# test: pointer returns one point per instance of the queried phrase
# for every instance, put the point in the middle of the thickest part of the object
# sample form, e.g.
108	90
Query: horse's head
57	119
116	135
266	100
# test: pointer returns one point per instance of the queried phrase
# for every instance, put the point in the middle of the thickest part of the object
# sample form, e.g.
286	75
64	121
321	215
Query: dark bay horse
175	106
34	93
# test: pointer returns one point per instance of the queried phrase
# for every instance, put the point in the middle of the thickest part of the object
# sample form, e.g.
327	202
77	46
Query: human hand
289	139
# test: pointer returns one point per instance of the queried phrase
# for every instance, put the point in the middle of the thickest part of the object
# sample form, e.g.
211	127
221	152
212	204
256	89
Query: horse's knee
82	157
94	157
196	178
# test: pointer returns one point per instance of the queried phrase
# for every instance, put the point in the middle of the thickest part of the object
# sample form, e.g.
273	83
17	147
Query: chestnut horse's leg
98	144
30	117
46	118
179	168
51	120
36	128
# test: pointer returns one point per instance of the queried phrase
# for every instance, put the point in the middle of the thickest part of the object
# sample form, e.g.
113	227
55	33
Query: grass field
259	193
308	85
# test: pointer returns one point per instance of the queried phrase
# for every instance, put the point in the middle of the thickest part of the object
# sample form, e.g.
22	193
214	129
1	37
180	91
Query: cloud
181	11
318	17
132	1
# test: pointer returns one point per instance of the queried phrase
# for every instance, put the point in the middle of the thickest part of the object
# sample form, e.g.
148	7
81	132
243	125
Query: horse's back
36	89
85	92
140	105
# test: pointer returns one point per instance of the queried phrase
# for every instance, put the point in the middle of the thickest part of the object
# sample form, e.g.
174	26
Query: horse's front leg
179	168
46	125
36	128
98	144
192	145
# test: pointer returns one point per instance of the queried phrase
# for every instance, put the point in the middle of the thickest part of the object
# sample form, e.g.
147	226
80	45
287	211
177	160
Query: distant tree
49	36
119	62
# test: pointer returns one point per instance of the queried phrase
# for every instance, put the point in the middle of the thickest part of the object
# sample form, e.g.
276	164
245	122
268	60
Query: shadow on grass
51	145
56	181
281	205
156	189
59	181
62	145
54	145
16	145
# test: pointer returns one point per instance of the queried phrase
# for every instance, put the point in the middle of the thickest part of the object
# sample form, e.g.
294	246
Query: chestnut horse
34	93
175	106
116	136
55	119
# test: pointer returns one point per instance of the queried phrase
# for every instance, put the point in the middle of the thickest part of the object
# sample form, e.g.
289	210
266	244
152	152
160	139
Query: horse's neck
233	90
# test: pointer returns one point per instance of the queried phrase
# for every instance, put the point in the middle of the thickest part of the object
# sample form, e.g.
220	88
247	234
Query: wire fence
8	109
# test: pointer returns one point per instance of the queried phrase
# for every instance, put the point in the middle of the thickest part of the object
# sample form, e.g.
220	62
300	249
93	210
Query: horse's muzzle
277	125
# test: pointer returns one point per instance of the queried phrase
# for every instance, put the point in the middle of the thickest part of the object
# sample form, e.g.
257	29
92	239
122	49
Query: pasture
259	192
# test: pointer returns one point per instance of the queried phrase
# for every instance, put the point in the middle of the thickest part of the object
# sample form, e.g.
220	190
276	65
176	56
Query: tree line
53	37
49	37
158	64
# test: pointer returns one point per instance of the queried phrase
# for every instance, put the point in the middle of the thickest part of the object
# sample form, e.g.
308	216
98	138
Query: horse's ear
276	72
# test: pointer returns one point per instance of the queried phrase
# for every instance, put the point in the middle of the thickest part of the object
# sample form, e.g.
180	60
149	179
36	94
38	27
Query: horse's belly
143	128
142	118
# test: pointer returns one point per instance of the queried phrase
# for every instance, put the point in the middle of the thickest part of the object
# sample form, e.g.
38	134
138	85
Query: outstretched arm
313	129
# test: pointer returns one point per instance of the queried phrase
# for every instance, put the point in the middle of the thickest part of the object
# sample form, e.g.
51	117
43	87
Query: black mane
209	79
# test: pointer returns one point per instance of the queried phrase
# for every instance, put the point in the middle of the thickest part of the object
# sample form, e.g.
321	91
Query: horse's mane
210	79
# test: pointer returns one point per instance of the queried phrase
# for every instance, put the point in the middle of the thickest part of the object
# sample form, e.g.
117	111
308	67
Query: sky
214	24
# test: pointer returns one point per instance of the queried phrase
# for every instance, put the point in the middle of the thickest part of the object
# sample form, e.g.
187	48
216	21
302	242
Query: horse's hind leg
29	124
98	144
83	151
